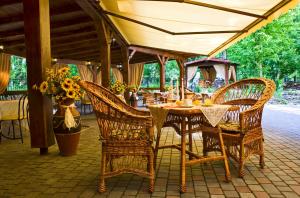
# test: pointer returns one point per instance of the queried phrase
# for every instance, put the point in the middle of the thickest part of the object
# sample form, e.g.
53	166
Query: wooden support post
180	63
125	72
226	74
105	37
162	60
38	57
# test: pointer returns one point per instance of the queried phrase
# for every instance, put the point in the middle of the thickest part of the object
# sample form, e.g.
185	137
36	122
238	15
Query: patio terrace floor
24	173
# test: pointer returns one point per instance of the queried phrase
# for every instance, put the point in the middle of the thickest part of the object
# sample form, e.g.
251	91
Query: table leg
190	138
182	161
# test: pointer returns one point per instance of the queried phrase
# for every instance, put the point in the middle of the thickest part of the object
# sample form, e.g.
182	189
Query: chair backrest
23	108
247	93
113	114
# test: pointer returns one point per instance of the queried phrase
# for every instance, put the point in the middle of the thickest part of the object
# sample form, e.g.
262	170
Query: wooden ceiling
73	33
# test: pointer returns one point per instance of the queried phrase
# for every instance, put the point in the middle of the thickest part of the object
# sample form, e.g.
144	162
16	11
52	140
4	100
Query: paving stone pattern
24	173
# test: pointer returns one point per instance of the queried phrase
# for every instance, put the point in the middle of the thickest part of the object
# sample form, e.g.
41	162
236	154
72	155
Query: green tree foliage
272	52
18	74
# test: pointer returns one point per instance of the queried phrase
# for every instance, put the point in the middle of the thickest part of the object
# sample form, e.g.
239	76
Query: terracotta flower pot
67	139
67	143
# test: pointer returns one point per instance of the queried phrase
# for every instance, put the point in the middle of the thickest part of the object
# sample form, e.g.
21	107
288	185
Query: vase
67	138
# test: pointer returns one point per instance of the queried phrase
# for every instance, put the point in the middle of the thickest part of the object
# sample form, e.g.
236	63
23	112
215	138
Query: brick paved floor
24	173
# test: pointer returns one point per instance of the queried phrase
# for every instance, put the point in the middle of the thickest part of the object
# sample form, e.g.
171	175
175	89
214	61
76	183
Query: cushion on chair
232	127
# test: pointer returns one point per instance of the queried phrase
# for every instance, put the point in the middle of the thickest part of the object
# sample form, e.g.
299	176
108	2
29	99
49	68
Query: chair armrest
251	118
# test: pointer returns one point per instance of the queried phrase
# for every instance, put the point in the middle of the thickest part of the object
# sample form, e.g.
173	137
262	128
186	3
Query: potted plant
65	90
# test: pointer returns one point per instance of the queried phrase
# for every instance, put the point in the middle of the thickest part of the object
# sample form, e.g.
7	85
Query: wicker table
187	121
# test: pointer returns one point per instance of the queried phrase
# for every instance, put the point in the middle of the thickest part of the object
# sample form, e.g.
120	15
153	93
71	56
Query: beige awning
193	26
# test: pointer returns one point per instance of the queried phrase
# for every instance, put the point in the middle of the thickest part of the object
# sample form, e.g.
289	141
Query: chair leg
13	126
241	160
151	171
101	186
262	154
204	150
222	147
156	148
21	134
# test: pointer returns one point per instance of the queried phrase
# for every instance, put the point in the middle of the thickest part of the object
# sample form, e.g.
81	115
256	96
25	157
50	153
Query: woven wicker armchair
126	135
242	131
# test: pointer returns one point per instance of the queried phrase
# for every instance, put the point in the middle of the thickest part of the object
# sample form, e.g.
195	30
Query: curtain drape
191	72
209	74
4	71
57	66
232	73
117	74
136	74
220	69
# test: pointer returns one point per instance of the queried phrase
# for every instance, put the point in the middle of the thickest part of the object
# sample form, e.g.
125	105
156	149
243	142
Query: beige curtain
136	74
191	72
232	73
220	69
57	66
4	71
85	73
209	74
117	74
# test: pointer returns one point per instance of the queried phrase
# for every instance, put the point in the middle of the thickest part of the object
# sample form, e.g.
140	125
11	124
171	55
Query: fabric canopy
4	71
193	26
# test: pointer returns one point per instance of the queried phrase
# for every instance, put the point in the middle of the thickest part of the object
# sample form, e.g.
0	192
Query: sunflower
65	86
68	81
71	94
76	86
43	87
63	70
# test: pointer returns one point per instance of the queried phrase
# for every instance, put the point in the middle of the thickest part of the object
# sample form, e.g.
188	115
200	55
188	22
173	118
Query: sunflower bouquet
60	85
118	87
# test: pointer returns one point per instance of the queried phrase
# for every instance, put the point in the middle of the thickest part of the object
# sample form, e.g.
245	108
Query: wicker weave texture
126	135
242	129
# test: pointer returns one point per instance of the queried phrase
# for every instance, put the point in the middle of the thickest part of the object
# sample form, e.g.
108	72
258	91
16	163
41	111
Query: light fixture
1	47
88	63
119	66
54	61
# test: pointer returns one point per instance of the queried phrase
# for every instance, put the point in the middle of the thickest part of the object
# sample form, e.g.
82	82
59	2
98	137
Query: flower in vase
43	87
71	93
65	86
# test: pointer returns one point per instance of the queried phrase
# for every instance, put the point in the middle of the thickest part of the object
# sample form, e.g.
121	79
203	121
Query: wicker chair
126	135
242	130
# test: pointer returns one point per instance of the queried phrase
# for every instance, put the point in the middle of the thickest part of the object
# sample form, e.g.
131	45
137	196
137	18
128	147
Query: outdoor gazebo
211	68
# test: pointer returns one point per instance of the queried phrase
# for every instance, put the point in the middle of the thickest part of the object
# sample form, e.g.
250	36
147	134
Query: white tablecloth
9	109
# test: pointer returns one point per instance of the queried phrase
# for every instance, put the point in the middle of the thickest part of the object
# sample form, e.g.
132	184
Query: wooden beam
38	57
162	60
180	63
93	9
9	2
105	36
125	72
131	54
55	12
155	52
216	7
